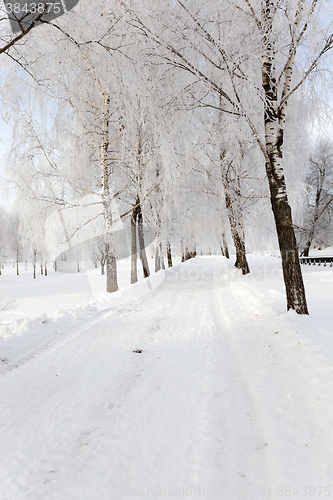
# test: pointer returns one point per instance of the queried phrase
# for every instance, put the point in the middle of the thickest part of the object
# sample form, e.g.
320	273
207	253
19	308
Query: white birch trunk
111	261
274	128
134	248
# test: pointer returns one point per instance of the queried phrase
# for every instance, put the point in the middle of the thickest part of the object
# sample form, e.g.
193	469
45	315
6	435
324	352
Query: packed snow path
209	408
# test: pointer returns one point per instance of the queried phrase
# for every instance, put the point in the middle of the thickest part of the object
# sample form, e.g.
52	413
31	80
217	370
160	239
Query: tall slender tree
257	87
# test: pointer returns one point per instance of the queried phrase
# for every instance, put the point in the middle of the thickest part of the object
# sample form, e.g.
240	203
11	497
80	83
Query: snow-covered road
226	400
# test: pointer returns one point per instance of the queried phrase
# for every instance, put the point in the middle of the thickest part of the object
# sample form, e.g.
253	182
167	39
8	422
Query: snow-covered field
228	396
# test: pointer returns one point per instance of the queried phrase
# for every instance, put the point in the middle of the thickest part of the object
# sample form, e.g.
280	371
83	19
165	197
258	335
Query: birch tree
85	89
257	85
319	196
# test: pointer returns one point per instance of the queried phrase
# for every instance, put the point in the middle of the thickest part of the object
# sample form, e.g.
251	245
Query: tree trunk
111	271
17	260
225	246
236	228
306	250
78	266
41	269
35	261
274	117
143	255
241	262
45	266
55	266
169	254
187	254
139	215
134	248
311	232
182	250
159	261
237	237
111	260
102	267
291	268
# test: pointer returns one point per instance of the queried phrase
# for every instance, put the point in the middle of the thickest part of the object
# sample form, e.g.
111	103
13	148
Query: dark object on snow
138	350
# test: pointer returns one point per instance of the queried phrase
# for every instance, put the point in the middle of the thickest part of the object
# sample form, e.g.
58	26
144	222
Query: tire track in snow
59	405
89	417
37	353
237	419
62	337
173	410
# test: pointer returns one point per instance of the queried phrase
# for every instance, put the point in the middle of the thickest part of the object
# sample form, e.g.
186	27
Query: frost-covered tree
319	196
83	98
146	114
4	237
248	53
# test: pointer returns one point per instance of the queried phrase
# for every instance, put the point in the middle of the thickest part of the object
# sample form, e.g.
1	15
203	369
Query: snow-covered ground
228	396
54	292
